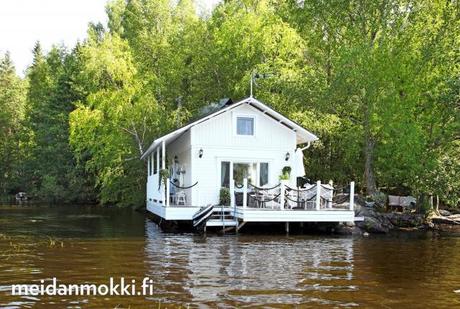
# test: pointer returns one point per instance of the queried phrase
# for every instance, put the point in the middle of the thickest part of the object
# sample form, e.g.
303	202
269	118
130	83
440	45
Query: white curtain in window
245	126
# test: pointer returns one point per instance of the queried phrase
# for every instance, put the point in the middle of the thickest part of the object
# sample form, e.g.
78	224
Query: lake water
90	244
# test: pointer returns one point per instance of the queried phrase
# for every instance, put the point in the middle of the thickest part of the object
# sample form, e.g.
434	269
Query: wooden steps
222	217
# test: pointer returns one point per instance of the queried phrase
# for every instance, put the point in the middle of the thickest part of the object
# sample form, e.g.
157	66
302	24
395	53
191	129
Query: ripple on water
226	272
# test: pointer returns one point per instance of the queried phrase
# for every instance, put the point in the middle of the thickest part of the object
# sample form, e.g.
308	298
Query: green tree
375	59
52	171
12	98
110	127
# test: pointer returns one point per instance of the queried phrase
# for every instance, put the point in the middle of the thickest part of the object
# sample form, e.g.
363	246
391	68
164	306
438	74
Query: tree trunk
369	178
369	145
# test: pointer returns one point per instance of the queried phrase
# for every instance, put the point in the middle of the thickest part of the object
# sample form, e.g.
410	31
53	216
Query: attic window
245	126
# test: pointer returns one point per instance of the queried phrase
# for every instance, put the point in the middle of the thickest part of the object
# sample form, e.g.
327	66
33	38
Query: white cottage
246	148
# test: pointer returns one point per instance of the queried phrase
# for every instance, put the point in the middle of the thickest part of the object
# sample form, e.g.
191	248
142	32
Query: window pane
161	158
244	170
244	126
225	174
263	174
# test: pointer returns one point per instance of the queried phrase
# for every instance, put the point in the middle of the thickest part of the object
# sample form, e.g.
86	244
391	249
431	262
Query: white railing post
245	192
194	191
157	153
167	192
282	193
352	195
163	155
331	196
318	195
232	193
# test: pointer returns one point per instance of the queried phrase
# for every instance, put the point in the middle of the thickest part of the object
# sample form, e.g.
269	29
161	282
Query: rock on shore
381	222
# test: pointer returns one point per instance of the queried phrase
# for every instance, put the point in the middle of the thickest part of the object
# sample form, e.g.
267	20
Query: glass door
245	170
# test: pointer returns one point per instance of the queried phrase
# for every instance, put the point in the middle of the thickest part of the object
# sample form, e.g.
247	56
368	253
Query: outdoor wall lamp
176	160
288	155
200	153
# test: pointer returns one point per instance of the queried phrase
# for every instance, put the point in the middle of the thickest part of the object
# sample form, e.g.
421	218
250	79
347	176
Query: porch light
200	153
288	155
176	160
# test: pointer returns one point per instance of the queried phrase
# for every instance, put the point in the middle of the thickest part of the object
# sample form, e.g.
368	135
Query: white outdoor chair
181	198
266	198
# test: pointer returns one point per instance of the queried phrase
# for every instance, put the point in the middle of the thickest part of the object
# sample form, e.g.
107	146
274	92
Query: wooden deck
247	214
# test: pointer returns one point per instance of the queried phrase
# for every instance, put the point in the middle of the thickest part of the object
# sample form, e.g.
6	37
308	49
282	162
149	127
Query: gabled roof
303	136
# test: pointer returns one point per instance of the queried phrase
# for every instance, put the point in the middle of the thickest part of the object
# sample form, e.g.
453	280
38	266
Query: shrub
224	196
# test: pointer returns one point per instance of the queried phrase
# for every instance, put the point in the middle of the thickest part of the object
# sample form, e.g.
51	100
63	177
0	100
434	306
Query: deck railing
182	194
314	197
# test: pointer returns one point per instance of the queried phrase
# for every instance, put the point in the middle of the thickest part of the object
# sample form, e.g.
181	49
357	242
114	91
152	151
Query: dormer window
245	126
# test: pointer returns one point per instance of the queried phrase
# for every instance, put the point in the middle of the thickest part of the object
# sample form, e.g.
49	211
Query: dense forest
378	81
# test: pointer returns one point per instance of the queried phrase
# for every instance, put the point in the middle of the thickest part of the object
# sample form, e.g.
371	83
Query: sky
24	22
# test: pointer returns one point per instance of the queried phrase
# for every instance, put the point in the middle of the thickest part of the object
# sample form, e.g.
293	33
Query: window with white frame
245	126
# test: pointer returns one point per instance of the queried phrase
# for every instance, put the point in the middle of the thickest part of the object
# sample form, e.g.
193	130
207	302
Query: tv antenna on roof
254	76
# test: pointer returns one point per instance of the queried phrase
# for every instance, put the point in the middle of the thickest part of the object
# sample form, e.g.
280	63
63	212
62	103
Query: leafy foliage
12	100
377	81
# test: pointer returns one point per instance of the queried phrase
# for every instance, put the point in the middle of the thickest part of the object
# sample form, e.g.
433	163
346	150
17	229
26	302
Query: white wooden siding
219	141
180	148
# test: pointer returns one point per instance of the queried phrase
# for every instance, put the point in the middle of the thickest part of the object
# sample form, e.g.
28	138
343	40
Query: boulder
347	228
381	222
373	225
378	221
405	220
364	211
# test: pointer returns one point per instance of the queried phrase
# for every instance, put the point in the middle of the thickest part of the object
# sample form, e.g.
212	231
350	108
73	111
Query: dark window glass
150	165
155	169
161	159
263	174
225	174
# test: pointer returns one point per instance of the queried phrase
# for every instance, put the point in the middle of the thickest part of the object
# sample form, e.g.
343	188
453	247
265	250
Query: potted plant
224	196
164	175
285	173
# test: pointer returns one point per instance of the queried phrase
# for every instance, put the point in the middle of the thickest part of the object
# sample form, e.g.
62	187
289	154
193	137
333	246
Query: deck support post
240	225
167	192
287	227
318	195
245	192
282	193
352	195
